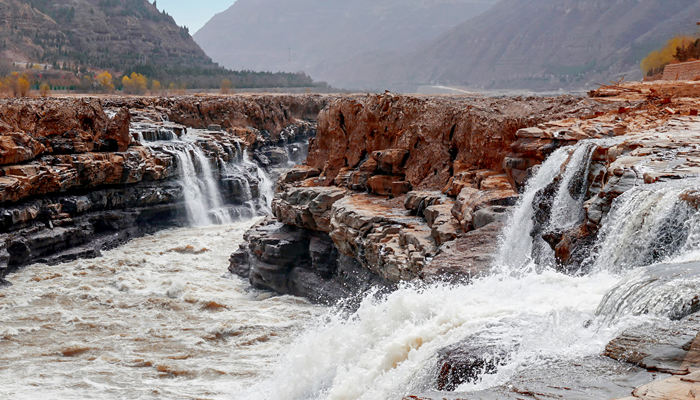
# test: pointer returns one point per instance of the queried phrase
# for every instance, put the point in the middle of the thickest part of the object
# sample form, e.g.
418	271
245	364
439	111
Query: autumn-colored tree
655	62
691	52
226	86
45	89
155	87
23	86
17	84
135	83
104	79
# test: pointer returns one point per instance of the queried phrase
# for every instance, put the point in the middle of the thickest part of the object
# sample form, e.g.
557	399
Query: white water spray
515	252
387	348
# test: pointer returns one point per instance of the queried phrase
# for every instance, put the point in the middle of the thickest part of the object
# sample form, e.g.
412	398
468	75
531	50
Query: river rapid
158	318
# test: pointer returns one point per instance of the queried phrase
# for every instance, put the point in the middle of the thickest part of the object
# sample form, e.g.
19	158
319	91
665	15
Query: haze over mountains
530	44
328	39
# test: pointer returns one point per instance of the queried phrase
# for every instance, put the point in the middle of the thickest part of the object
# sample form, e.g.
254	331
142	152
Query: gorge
449	247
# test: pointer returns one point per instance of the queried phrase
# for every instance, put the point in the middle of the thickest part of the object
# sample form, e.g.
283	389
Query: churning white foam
387	349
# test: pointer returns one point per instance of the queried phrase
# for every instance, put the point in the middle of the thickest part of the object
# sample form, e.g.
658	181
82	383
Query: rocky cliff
400	186
78	176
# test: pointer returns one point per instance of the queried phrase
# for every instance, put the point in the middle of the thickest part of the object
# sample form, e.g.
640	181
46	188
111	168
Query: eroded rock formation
399	182
80	175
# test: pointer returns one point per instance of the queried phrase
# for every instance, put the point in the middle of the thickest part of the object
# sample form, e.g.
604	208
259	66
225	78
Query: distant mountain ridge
544	44
327	39
522	44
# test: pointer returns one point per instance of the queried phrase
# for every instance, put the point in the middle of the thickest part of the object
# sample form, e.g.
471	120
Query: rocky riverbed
407	216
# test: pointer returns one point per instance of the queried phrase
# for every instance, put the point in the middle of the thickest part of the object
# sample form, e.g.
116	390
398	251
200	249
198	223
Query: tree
45	89
155	86
17	84
226	86
104	79
135	83
655	62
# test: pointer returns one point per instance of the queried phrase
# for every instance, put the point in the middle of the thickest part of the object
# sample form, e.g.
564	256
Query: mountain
544	44
511	44
328	39
100	33
119	35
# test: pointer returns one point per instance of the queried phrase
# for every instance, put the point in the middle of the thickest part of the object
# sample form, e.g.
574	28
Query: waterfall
212	191
388	347
197	194
215	192
515	252
203	196
267	187
567	208
649	224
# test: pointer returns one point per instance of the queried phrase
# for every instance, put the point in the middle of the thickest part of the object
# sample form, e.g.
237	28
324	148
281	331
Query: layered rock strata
81	175
403	185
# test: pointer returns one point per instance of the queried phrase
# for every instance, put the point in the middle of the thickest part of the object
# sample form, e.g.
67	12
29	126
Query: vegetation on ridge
69	40
677	49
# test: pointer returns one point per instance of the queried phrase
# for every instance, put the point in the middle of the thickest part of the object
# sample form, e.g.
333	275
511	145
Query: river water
158	318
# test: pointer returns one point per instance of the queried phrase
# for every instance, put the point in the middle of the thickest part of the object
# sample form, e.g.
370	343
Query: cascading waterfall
649	224
212	191
203	186
245	171
567	207
387	348
195	199
516	244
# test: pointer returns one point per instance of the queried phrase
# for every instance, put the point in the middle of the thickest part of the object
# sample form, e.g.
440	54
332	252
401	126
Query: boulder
469	256
307	207
466	362
471	200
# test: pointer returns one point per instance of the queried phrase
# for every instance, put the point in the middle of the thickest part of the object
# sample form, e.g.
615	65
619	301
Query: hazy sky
193	13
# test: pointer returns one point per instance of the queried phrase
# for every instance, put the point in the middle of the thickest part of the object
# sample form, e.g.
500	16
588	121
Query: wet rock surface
466	362
300	262
671	349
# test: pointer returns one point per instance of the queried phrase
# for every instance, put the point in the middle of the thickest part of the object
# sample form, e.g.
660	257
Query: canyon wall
81	175
419	187
403	187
